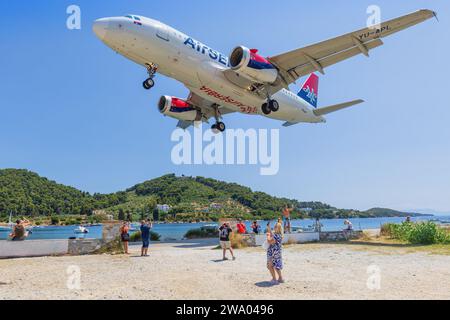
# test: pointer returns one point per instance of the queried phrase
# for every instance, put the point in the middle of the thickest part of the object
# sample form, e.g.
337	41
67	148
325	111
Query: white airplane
244	81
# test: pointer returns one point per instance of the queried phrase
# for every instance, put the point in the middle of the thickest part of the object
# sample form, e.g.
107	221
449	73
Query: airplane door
163	32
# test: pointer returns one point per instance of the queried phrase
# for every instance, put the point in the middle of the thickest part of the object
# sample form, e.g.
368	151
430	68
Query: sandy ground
194	271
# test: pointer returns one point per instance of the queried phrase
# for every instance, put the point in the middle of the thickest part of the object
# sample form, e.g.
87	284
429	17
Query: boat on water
81	230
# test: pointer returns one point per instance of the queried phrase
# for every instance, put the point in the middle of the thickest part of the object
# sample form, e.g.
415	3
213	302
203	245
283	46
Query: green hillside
25	192
191	199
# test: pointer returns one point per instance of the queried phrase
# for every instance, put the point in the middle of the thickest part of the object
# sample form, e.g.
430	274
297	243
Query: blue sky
74	111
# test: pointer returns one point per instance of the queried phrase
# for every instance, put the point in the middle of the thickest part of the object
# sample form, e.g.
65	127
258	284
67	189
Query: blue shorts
145	243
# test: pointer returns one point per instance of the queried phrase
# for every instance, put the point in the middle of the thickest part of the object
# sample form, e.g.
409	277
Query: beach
194	270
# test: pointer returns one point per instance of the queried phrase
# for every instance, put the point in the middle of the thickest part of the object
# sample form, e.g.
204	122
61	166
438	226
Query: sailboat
10	224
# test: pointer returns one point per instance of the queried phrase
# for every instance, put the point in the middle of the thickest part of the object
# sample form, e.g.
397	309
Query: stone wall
39	248
253	240
78	247
334	236
111	230
35	248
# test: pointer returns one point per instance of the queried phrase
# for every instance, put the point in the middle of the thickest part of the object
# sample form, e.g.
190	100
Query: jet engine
178	108
248	63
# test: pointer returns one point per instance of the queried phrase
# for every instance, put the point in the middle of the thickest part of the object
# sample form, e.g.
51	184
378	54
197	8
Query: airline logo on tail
310	90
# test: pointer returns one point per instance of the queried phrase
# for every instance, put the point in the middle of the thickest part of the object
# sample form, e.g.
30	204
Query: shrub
137	236
416	233
201	233
387	229
237	241
54	221
423	233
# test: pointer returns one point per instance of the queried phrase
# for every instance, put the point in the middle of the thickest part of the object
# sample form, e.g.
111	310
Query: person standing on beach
125	236
256	228
348	230
146	226
224	236
287	219
274	253
242	229
268	228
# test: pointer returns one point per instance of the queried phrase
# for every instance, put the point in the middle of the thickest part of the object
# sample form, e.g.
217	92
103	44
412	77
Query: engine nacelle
248	63
178	108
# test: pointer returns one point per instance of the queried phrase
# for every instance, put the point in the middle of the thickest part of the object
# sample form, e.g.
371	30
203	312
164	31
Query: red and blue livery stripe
180	106
258	62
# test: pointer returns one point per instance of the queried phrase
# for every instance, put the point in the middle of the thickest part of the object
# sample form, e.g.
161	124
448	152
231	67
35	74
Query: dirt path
194	271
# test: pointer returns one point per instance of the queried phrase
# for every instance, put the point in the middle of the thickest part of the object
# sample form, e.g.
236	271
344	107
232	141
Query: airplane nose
100	27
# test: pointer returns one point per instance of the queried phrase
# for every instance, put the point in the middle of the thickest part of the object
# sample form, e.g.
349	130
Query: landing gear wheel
274	106
220	126
148	84
266	109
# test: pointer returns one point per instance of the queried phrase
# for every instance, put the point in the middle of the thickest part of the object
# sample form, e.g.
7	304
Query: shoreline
211	222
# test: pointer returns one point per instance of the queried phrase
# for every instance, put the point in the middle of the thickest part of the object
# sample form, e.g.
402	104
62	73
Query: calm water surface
177	231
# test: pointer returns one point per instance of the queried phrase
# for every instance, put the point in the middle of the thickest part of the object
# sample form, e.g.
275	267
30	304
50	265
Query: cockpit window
130	17
137	18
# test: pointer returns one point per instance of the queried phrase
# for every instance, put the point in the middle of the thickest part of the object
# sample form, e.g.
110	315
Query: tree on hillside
155	214
121	216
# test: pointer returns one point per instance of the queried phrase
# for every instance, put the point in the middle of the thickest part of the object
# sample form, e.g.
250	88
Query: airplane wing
300	62
317	57
207	108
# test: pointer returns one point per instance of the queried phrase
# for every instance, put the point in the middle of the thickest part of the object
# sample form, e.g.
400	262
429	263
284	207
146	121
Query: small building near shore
163	207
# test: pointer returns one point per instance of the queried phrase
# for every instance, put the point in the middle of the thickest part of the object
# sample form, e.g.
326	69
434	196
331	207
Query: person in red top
242	229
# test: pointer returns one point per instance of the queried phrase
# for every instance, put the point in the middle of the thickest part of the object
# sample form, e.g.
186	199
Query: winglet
435	15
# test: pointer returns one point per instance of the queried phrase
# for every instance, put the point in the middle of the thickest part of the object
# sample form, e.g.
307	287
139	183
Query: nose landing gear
149	82
219	126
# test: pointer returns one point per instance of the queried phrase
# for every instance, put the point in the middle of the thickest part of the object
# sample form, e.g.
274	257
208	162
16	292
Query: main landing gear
149	82
270	106
219	126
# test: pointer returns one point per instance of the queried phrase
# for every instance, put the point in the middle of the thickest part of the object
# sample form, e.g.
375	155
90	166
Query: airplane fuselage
198	66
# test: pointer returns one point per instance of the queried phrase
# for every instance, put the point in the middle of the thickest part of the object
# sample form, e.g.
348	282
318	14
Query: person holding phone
274	253
224	237
146	226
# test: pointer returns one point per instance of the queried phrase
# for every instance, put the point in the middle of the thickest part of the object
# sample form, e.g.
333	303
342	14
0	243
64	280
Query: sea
176	231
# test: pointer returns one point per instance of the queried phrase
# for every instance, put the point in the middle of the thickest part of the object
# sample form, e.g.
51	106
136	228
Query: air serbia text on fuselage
204	49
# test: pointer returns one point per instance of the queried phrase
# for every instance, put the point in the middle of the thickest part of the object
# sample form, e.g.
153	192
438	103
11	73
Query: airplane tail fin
310	90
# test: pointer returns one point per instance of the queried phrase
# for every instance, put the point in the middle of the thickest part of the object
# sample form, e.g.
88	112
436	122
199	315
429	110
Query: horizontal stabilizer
288	124
326	110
